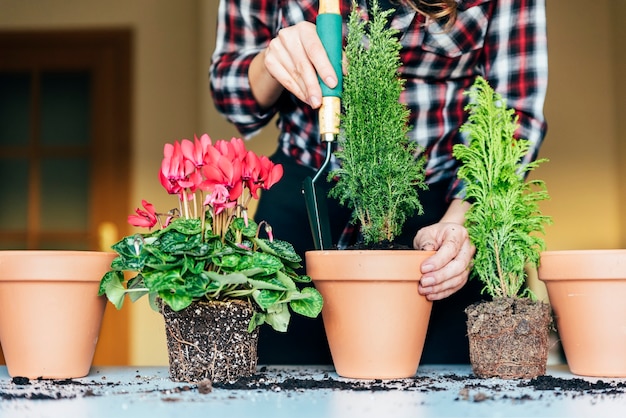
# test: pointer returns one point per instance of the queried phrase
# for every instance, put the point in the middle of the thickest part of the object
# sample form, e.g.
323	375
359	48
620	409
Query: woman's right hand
293	60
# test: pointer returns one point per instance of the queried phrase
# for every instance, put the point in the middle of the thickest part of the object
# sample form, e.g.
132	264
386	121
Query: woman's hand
448	269
292	61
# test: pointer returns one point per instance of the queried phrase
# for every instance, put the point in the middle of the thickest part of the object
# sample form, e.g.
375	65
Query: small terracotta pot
374	316
587	291
50	311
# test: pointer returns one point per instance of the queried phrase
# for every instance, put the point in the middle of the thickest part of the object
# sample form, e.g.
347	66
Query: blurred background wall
172	44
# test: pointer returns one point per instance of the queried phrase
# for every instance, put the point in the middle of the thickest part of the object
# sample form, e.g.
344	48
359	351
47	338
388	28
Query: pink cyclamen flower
176	170
223	172
235	149
219	199
144	218
250	172
270	173
195	151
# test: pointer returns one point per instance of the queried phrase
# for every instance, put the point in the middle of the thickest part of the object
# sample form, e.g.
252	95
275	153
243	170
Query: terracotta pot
210	340
587	291
50	311
374	317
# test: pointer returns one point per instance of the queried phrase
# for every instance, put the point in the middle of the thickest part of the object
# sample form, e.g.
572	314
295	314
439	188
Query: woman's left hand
447	270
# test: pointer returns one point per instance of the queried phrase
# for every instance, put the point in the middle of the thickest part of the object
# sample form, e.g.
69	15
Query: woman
267	61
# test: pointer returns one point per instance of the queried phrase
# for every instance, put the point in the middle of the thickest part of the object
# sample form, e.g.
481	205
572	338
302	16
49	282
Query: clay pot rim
592	264
369	252
581	252
51	259
362	265
17	253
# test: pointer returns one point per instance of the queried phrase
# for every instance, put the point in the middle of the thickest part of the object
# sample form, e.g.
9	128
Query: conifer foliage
504	218
381	169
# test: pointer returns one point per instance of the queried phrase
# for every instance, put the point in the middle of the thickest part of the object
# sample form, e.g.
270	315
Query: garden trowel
329	29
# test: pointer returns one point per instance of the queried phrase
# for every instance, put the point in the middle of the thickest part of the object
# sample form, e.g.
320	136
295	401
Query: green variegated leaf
271	284
279	248
185	226
300	279
136	287
132	245
196	285
120	263
109	276
227	279
250	230
160	260
176	242
279	318
153	300
257	320
114	289
175	300
158	281
160	255
244	262
239	224
267	299
310	305
267	262
193	265
230	261
286	281
128	259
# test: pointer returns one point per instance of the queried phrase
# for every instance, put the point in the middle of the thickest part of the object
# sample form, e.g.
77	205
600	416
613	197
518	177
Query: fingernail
314	101
330	82
427	281
427	267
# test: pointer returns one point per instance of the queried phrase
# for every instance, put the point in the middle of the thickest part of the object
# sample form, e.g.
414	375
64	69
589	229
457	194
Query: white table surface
436	391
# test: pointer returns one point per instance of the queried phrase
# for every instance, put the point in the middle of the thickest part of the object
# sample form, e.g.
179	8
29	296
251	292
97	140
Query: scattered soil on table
575	385
472	384
48	389
56	389
469	388
509	337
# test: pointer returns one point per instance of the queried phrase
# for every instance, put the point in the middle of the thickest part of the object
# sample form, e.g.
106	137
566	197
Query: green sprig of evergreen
380	171
504	217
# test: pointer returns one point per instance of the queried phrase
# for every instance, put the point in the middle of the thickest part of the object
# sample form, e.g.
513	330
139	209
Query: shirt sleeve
244	28
516	67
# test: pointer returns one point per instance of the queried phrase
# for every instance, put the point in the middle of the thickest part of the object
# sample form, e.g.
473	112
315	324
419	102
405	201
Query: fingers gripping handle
329	26
329	29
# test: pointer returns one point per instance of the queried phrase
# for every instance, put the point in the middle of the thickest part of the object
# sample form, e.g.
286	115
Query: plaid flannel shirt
502	40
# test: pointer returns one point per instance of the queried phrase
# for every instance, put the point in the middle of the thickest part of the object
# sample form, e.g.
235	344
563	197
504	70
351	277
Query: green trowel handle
329	29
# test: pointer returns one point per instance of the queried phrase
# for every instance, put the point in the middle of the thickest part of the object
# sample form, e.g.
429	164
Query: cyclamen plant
207	248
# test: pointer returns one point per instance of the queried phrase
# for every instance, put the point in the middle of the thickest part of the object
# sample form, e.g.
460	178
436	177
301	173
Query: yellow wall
582	142
586	111
618	14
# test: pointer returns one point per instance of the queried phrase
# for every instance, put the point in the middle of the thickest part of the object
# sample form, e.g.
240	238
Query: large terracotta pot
587	291
374	317
50	311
